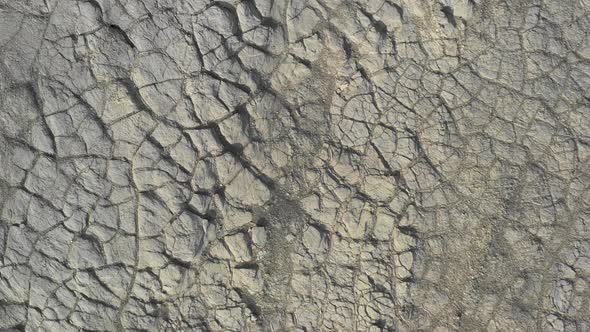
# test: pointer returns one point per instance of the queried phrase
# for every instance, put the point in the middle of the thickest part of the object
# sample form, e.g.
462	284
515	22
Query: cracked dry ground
294	165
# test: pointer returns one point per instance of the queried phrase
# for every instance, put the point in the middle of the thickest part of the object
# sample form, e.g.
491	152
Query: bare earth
295	165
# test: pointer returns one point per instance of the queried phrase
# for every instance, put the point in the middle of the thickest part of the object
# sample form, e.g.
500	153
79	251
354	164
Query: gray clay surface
295	165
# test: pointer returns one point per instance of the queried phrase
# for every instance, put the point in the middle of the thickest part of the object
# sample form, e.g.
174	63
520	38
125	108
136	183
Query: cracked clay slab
295	165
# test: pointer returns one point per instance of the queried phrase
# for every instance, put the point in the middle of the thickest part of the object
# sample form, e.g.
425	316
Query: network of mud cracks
303	165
